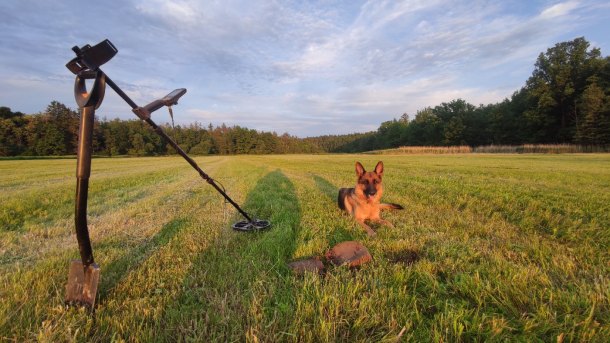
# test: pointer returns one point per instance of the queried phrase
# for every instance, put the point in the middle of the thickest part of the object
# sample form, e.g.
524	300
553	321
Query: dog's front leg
367	228
385	222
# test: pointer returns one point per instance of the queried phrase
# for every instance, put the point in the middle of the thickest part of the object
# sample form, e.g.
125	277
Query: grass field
500	248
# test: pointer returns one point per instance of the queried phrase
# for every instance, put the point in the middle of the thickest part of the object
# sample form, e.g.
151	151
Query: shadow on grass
327	188
118	269
242	280
338	234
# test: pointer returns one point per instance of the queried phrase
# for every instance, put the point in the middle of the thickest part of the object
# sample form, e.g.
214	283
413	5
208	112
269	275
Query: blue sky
303	67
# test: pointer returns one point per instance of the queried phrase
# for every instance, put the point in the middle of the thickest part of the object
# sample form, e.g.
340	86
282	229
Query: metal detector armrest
168	100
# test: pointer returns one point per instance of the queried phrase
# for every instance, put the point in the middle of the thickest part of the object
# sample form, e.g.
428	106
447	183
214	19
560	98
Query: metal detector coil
254	225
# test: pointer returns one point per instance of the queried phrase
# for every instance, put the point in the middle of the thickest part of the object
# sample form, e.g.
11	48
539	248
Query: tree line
565	100
55	132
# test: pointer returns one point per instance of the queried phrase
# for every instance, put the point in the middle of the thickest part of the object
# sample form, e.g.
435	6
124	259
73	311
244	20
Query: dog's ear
359	169
379	168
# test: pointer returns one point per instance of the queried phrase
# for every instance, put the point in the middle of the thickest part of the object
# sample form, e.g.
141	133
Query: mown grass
489	248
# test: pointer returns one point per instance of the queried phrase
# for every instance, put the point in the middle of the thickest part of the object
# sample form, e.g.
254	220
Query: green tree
556	85
13	139
594	127
426	128
391	133
507	122
5	113
53	132
116	137
453	116
63	124
454	132
138	146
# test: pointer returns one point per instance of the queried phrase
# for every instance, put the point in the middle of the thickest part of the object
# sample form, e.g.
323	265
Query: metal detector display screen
175	95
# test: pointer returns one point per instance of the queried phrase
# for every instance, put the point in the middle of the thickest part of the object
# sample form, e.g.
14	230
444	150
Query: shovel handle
83	170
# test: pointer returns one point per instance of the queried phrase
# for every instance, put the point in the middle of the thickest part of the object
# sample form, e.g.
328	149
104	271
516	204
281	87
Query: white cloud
560	9
301	67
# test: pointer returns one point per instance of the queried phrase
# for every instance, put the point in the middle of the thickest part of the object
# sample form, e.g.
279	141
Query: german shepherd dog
363	201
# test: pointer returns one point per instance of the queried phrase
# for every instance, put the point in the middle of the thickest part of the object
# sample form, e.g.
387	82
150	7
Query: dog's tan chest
363	209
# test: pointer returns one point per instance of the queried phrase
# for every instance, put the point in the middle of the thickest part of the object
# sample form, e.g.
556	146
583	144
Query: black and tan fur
363	202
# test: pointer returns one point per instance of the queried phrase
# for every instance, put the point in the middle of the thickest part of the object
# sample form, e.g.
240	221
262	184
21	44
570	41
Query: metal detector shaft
175	145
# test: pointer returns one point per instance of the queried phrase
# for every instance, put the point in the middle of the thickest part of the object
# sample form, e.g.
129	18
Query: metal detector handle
172	98
153	106
168	100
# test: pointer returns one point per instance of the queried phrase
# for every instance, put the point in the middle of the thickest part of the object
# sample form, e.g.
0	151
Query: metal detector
84	275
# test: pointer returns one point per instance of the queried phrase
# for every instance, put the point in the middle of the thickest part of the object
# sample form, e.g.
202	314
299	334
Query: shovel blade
81	289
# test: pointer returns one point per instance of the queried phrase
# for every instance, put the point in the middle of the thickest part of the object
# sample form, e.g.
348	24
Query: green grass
507	247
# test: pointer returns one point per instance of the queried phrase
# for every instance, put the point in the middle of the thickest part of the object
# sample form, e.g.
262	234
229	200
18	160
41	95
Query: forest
565	100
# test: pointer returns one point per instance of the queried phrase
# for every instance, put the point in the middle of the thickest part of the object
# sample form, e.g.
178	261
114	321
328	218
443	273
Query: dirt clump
351	253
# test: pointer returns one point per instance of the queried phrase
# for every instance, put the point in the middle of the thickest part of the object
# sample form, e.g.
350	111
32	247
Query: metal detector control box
91	57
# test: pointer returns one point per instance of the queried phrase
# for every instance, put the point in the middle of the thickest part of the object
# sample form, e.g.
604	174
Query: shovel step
81	289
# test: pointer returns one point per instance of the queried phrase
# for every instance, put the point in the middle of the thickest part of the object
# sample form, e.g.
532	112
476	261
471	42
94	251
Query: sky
306	68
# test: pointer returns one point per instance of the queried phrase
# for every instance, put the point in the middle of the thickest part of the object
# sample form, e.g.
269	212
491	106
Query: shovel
84	274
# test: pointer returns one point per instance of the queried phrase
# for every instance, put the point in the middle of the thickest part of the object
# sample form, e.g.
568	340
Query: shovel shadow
120	268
